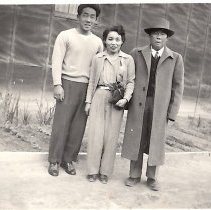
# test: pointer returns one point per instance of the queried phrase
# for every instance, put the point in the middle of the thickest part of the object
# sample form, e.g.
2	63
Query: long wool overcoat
167	99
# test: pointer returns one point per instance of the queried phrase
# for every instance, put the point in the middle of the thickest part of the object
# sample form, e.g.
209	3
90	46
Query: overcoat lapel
166	53
147	56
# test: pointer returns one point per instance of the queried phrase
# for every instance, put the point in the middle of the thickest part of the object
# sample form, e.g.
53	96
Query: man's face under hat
158	39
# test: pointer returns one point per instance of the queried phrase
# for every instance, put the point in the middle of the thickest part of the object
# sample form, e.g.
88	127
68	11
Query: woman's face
113	42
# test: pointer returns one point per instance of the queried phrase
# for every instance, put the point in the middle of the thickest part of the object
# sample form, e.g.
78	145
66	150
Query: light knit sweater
72	55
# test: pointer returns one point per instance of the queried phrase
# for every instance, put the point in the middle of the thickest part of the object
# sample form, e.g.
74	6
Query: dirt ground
185	177
187	135
26	185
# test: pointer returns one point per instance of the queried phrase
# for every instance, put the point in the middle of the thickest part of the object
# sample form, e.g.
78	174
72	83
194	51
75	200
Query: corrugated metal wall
25	46
28	33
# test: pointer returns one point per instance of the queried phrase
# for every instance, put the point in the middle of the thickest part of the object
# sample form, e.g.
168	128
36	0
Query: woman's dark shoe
53	169
92	177
103	179
68	167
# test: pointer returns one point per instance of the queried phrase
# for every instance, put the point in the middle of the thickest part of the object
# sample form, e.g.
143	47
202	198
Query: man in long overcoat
155	103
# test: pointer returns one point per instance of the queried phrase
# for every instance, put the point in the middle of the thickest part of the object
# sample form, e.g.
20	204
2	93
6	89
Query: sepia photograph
105	106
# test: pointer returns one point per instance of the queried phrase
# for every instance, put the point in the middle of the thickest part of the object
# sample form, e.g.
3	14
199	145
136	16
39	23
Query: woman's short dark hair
96	7
118	28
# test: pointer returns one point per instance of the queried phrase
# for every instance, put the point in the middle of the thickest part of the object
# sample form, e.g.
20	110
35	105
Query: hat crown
159	23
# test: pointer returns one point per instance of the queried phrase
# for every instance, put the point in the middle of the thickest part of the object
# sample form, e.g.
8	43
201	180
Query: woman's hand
58	93
121	102
87	108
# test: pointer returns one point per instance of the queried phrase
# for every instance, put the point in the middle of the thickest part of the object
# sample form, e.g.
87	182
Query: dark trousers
69	123
136	166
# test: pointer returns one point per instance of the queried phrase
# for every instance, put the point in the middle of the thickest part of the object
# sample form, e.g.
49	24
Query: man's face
87	19
158	39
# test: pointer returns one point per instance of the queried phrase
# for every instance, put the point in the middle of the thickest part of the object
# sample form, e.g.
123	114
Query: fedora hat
159	24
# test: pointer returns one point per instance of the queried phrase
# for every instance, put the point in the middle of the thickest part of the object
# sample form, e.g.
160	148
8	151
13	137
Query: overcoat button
140	103
144	88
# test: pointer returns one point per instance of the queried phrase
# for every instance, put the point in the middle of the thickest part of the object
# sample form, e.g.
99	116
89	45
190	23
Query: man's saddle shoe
53	169
153	184
130	182
68	167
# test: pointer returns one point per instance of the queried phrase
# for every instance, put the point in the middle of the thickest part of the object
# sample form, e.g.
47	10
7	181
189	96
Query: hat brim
167	31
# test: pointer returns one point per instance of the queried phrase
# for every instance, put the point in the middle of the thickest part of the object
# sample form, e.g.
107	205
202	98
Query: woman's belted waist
104	87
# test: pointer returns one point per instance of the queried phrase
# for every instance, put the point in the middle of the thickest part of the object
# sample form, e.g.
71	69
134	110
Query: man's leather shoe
131	182
68	167
53	169
92	177
153	184
103	179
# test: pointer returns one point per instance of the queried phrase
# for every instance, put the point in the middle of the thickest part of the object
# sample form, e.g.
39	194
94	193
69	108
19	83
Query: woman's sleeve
130	79
90	89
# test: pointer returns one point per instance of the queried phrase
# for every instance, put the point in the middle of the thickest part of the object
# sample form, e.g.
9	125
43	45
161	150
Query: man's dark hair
96	7
118	28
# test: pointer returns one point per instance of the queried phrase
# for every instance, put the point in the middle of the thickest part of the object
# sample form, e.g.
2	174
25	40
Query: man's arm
101	47
177	89
57	58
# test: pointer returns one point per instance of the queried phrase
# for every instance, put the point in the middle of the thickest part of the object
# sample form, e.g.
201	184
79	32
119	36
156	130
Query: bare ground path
25	184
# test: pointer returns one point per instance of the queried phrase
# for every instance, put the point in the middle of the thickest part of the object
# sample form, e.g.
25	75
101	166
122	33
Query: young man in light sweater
71	61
